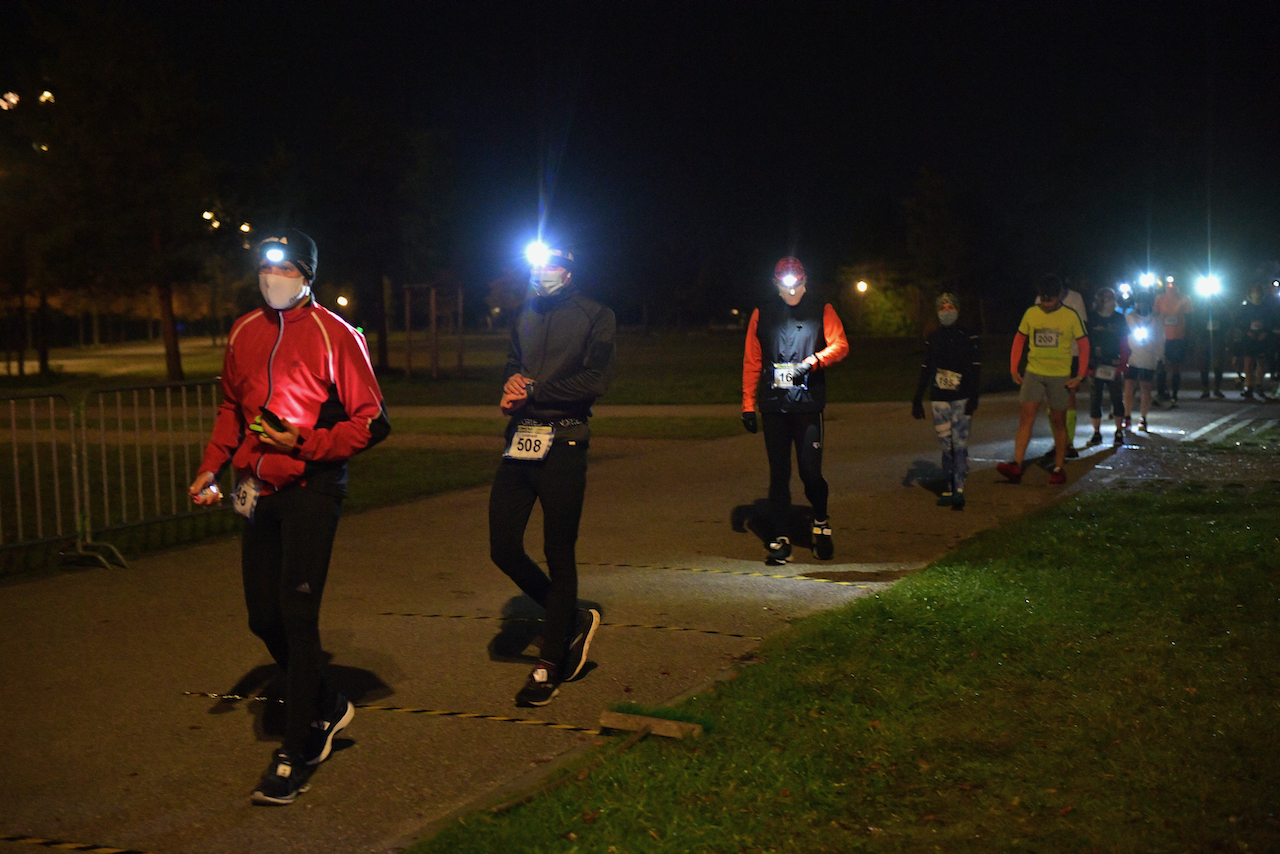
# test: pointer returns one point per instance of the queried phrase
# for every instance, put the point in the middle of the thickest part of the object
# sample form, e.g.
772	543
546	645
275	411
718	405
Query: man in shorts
1046	333
1172	307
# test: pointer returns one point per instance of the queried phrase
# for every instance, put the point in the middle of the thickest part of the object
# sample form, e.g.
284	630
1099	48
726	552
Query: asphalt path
111	743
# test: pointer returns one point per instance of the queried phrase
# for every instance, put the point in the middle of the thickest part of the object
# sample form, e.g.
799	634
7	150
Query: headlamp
789	280
274	255
538	254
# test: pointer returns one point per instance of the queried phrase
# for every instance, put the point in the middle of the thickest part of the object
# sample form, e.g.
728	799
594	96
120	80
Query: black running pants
285	561
803	431
558	482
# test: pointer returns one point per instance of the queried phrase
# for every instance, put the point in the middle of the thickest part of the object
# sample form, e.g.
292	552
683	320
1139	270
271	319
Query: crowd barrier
122	457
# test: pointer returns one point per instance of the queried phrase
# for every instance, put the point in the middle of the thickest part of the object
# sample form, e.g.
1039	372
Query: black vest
790	334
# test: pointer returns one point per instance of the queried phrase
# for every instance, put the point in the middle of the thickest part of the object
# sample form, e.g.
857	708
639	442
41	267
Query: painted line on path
539	620
1214	425
71	846
437	713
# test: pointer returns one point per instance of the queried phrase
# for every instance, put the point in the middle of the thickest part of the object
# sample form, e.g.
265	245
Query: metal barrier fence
122	458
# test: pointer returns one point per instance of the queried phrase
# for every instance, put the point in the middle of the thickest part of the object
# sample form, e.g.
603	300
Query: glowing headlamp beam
538	254
789	280
275	256
1208	286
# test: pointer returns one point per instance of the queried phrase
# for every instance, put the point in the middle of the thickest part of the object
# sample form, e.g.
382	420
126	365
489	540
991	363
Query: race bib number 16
530	442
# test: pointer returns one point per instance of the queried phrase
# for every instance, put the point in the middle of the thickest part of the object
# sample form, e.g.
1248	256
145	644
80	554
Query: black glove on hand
801	370
749	421
917	409
971	406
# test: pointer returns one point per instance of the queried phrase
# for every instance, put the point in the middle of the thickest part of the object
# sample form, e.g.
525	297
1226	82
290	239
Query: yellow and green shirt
1050	335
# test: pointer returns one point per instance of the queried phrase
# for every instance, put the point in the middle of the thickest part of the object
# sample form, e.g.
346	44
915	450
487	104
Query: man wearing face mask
792	339
560	361
299	398
951	374
1146	349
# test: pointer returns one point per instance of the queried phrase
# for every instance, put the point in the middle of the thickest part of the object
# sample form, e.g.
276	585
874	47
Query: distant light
274	255
342	301
538	253
215	224
46	97
1147	280
244	226
360	329
734	312
1125	290
8	100
208	214
1208	286
862	287
789	280
39	146
1169	279
1140	334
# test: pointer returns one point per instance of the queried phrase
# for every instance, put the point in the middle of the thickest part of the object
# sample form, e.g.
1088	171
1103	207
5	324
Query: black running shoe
320	738
779	552
283	781
823	547
957	501
576	655
542	685
1119	438
1071	453
1096	438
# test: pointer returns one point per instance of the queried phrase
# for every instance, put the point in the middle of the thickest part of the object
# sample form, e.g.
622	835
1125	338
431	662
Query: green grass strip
1102	676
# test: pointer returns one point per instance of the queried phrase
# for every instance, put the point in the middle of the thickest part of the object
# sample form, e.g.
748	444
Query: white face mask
946	318
548	281
282	292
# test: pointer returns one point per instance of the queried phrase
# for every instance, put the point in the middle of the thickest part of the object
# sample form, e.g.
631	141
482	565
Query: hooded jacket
311	368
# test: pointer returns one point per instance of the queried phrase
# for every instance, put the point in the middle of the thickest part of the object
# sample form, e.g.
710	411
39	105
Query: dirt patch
1172	466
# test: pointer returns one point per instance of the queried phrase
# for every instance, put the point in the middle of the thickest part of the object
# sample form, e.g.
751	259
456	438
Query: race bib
1046	338
784	376
1105	372
1172	319
1255	325
530	442
946	380
246	497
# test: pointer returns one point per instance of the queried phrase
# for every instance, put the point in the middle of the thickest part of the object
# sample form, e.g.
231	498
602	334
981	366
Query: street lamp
862	287
342	301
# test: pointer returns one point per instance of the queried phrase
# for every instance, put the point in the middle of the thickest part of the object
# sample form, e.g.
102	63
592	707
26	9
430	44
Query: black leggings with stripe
804	432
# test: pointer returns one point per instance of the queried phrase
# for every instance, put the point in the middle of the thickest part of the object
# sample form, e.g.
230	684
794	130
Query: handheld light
1140	334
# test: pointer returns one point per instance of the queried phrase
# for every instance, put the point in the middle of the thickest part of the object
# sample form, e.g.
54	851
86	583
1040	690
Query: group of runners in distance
300	398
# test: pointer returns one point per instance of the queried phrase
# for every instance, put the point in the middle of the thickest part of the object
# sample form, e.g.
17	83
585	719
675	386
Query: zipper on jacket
270	382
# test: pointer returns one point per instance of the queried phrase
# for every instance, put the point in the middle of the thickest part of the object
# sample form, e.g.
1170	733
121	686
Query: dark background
680	148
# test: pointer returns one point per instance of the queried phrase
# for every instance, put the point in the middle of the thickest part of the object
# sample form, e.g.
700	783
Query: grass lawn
1101	676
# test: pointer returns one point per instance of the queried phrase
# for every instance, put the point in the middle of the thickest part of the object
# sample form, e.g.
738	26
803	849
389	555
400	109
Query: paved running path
105	749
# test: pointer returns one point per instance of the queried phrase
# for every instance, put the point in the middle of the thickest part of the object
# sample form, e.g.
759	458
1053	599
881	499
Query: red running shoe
1058	475
1010	471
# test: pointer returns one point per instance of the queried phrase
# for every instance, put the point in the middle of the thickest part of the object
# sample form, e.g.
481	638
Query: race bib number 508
530	442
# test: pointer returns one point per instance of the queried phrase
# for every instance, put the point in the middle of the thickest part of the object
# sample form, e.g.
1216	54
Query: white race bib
246	497
784	376
1046	338
1172	319
1255	326
530	442
1105	372
946	380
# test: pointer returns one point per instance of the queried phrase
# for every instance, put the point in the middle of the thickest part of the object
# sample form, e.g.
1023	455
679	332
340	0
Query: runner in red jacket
299	398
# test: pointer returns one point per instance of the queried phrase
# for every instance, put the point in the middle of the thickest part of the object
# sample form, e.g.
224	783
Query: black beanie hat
298	249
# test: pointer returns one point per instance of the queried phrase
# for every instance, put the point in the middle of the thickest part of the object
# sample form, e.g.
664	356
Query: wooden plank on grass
658	726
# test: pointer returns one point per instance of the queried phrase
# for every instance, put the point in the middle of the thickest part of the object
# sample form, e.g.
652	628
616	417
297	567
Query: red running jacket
311	368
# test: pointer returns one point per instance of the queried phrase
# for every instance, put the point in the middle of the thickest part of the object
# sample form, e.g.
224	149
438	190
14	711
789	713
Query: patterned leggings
952	426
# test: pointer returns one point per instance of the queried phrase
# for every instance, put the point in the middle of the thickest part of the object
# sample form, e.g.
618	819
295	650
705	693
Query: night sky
1074	137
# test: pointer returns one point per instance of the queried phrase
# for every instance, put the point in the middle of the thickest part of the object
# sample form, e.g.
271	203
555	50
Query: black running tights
802	430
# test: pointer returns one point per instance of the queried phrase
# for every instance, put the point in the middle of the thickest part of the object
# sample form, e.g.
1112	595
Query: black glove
749	421
917	409
801	370
971	406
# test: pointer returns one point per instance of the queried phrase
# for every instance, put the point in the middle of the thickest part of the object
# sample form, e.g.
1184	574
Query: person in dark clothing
299	398
1254	321
951	373
561	360
1108	351
791	341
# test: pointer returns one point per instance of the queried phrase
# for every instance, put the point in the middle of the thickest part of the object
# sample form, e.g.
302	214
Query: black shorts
1175	352
1144	375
